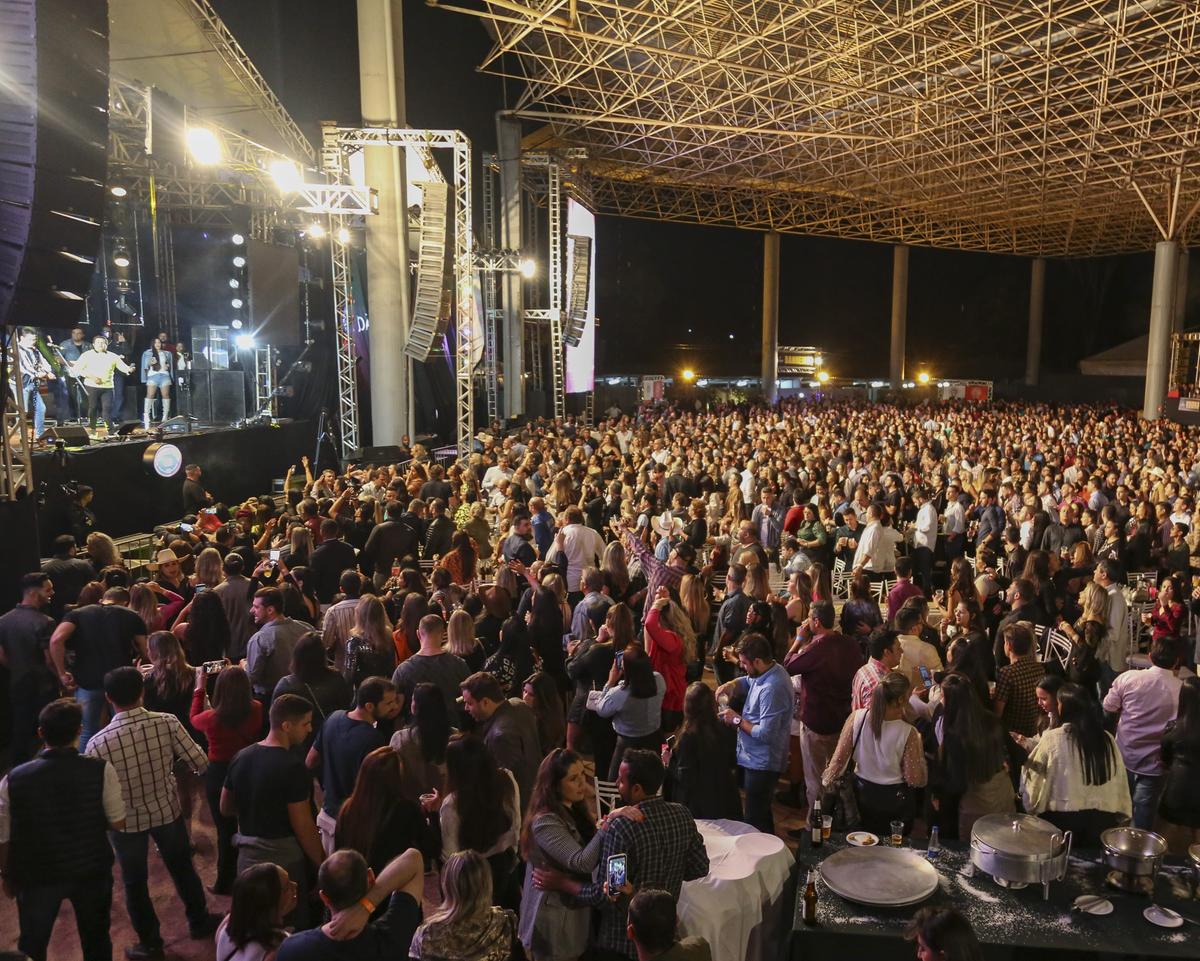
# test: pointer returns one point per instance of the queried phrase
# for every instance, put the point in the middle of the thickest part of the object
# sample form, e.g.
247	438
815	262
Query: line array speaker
581	282
428	318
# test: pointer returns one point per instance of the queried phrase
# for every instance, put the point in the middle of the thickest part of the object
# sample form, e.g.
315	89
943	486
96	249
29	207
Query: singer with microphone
34	371
157	373
96	367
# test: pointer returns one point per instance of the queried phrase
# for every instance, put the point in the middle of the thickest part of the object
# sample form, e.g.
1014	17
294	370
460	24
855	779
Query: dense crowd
427	667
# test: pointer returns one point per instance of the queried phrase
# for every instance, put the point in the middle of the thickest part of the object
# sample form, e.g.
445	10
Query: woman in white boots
157	370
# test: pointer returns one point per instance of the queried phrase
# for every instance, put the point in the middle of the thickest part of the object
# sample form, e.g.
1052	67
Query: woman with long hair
157	370
822	582
263	895
203	628
860	614
102	551
405	636
1087	636
466	926
299	549
461	642
313	679
370	651
1037	572
1179	810
962	584
671	646
513	660
540	692
559	834
155	605
699	615
546	628
169	681
588	663
422	744
482	812
461	560
942	934
756	584
1075	776
888	755
1166	617
632	699
377	820
209	569
234	721
302	585
700	769
972	760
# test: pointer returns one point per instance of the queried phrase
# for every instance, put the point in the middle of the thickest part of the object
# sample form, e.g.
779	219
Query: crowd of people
425	667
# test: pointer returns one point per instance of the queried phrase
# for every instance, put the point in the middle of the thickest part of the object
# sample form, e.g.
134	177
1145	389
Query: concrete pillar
1037	306
1162	317
899	313
508	142
1181	292
770	317
381	91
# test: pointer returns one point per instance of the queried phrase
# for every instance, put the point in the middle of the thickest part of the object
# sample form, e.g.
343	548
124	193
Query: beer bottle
814	824
810	899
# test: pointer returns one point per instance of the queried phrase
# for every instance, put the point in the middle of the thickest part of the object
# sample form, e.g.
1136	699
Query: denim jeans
93	705
118	397
35	406
760	792
1145	790
37	910
132	849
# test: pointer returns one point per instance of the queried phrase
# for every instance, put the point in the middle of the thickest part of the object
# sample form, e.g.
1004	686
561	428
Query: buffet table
1009	924
740	907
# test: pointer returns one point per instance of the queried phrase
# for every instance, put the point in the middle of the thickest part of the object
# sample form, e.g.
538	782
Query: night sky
690	287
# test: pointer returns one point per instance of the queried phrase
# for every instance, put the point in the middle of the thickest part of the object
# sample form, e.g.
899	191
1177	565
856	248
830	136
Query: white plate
1163	917
758	844
862	839
1094	904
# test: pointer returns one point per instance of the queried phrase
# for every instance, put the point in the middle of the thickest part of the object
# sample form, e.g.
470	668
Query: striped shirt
143	746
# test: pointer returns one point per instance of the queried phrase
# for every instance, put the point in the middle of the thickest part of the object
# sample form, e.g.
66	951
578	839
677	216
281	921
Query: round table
736	907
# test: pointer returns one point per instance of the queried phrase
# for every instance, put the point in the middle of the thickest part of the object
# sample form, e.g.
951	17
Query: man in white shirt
914	652
747	483
580	545
875	555
956	524
1143	703
924	540
499	471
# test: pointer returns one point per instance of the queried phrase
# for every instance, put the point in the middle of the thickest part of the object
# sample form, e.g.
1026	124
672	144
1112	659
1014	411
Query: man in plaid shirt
142	746
664	849
657	573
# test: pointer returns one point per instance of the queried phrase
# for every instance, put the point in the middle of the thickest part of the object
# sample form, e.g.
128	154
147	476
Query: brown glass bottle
810	899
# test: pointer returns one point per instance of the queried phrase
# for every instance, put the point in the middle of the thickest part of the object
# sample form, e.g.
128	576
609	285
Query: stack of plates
882	876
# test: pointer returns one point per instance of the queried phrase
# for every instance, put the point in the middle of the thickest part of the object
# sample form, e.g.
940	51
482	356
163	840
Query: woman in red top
1166	619
234	721
670	645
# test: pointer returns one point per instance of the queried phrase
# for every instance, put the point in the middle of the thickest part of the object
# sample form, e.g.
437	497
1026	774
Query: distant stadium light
234	283
236	323
287	175
688	374
823	376
204	146
923	377
117	190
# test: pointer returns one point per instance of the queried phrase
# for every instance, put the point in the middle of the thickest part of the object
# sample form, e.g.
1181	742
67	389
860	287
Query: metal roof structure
1065	128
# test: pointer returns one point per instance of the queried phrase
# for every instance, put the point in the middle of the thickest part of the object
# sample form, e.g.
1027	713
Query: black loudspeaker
218	396
378	455
128	427
19	535
53	155
71	436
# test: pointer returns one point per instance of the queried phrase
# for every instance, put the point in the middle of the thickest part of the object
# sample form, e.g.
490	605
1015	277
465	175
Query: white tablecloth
738	905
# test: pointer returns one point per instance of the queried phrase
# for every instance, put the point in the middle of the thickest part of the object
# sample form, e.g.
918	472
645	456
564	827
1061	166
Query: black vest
59	830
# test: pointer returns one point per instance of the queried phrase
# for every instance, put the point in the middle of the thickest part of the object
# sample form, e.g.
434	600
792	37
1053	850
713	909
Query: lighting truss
344	321
1063	129
491	315
264	380
337	199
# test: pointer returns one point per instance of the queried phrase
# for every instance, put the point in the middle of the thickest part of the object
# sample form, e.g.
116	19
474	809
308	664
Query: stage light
287	175
819	360
239	261
234	283
121	256
702	382
731	336
204	146
238	239
528	268
236	303
823	376
343	236
117	190
236	323
316	230
688	374
923	377
245	342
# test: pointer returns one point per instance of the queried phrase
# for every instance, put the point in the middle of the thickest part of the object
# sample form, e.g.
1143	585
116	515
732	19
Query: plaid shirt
657	573
1016	686
142	746
663	851
865	681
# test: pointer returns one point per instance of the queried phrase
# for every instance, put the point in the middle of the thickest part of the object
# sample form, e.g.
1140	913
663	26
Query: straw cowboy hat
163	557
666	525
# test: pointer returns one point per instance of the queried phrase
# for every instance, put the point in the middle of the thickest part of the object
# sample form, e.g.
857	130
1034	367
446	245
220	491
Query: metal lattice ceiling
1056	127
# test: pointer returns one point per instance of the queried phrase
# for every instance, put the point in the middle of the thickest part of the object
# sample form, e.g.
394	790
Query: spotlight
234	283
923	377
121	256
731	336
286	175
316	230
236	323
117	190
236	303
239	261
238	239
343	236
688	374
204	146
528	267
245	342
823	376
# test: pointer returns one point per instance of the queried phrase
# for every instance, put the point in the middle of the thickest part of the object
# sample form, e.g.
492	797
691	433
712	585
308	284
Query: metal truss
336	143
1064	129
337	199
491	313
265	400
344	321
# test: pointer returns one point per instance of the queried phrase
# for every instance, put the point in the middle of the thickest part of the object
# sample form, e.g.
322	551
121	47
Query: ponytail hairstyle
893	689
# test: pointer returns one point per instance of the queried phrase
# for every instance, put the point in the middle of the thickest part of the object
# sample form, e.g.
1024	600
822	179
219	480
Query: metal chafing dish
1194	856
1020	849
1133	852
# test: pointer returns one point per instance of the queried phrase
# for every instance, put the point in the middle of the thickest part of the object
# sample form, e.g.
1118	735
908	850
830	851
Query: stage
130	498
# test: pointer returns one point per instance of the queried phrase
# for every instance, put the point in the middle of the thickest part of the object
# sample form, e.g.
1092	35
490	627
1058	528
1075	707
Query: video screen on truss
580	360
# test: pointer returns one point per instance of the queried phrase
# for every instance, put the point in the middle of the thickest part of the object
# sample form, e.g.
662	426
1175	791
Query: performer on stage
69	393
157	371
118	344
34	370
96	367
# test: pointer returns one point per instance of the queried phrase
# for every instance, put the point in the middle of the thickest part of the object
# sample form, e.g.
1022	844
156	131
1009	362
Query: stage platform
130	498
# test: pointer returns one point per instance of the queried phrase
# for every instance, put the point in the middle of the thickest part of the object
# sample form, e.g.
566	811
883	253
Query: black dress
701	776
1181	785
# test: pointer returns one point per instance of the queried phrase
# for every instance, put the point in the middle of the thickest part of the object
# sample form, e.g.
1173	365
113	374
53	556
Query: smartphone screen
274	556
620	660
926	676
617	864
200	588
186	528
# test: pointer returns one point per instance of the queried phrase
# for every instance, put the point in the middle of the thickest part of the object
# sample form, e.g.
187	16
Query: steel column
1162	316
770	317
1037	306
899	313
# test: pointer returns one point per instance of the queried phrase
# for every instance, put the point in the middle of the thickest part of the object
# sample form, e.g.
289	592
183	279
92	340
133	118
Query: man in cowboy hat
669	529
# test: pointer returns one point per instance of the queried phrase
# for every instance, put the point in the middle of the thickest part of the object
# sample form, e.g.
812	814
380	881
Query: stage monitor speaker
218	396
378	455
273	277
71	436
128	427
53	156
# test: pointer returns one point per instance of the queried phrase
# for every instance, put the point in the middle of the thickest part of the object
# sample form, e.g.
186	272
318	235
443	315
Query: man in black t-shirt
345	738
195	497
68	572
269	791
24	638
102	637
345	883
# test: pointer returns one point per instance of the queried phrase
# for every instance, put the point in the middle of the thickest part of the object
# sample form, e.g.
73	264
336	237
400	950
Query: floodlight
117	190
204	146
923	377
121	256
287	175
236	323
343	236
316	230
245	342
236	303
239	261
234	283
823	376
688	374
238	239
528	267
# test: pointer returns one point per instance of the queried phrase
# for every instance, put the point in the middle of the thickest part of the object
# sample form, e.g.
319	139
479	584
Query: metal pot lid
1133	843
1018	835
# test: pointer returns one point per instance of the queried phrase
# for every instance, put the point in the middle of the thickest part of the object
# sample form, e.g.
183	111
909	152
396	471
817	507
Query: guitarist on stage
34	372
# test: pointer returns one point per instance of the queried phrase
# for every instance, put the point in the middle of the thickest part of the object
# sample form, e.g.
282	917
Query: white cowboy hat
666	525
164	557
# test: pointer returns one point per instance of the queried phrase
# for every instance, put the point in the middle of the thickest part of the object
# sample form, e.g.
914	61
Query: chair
607	798
1053	644
841	579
